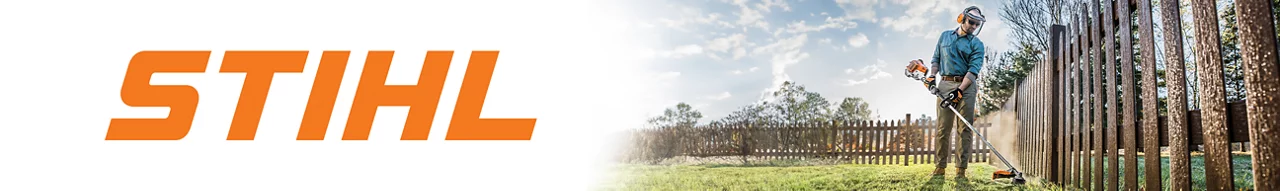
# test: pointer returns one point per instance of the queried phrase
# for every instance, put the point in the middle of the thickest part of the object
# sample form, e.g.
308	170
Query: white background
566	63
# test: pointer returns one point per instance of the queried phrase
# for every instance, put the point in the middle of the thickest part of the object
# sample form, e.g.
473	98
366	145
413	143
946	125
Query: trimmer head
1013	174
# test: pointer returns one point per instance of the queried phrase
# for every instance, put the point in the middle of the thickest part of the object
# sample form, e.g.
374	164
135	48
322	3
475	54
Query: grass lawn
795	175
819	177
1241	168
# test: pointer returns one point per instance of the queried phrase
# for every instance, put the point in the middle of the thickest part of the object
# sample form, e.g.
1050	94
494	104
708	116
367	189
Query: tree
1003	75
1233	69
681	115
794	104
754	113
1029	20
852	109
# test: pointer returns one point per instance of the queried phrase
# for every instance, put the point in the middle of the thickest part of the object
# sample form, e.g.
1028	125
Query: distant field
799	175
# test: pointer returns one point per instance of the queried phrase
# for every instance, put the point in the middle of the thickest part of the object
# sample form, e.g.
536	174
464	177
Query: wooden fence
866	142
1079	114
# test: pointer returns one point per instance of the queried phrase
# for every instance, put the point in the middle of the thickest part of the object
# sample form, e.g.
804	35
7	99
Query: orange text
260	66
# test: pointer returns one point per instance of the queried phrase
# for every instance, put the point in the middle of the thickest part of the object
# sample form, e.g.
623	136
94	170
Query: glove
928	84
951	98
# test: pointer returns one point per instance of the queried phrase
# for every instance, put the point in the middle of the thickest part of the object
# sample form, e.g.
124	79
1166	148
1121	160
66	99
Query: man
958	57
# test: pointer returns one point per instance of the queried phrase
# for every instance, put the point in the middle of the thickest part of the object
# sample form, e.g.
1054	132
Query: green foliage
681	115
794	104
852	109
790	103
1003	74
1233	68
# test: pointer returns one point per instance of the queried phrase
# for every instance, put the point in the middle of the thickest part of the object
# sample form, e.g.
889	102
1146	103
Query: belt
953	78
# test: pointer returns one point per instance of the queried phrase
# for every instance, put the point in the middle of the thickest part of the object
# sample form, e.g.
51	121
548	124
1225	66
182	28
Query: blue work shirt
958	54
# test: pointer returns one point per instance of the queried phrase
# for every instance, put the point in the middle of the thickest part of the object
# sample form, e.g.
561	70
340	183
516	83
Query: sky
720	55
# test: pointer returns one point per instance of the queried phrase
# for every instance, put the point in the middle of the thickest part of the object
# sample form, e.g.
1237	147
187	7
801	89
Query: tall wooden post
1258	50
1179	158
1213	110
1150	112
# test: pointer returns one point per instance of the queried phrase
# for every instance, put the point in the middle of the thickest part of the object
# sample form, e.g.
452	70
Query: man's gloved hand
928	84
951	98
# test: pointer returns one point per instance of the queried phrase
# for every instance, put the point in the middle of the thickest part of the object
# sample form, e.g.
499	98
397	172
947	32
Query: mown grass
798	175
821	177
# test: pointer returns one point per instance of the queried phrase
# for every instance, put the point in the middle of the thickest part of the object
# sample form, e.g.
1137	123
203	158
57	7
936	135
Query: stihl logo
260	66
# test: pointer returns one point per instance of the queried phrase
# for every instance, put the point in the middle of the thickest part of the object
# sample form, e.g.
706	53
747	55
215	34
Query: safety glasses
975	23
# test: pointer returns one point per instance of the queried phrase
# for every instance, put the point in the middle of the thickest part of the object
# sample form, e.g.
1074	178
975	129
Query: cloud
878	75
693	16
734	44
723	44
858	40
681	51
920	16
842	23
868	73
721	96
752	69
858	9
903	23
739	52
748	17
766	4
785	52
666	78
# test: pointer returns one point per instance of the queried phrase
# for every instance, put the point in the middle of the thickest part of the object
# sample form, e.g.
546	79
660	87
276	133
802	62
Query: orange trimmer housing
1013	175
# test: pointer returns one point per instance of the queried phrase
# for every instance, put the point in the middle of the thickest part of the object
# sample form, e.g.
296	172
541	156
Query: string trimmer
917	71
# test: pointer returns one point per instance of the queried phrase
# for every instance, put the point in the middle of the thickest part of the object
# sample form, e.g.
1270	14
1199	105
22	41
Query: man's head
970	20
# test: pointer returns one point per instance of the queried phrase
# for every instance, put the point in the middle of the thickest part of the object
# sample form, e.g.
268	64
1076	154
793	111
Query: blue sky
719	55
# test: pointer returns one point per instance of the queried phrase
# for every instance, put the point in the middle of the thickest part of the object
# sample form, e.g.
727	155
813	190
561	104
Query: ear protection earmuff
960	18
979	17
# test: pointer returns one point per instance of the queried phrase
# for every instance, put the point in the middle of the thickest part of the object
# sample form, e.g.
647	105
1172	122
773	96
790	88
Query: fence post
1213	108
1179	158
1109	74
1087	86
1128	101
907	126
1059	80
865	126
1069	104
1078	45
880	142
1039	152
1021	110
1150	133
1059	110
1099	62
1258	48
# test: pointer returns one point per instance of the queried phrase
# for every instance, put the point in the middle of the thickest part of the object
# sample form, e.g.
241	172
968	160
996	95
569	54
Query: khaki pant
947	123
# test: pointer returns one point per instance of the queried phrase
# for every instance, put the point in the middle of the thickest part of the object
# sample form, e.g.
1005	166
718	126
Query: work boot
939	171
959	172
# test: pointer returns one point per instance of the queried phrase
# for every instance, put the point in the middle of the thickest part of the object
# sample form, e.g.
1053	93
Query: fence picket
1259	56
1217	159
